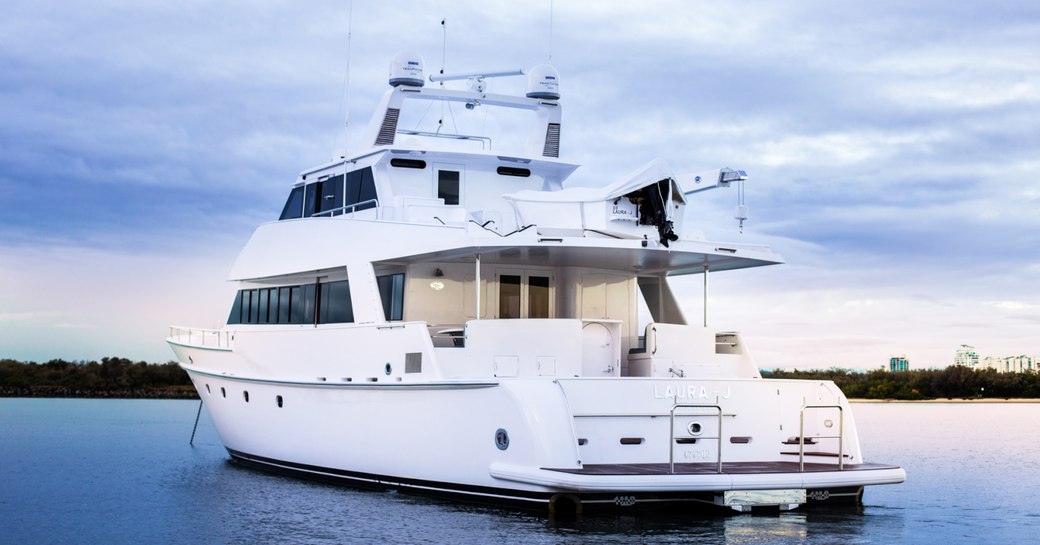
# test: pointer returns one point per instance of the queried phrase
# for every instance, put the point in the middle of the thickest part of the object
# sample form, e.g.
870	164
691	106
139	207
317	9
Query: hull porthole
501	439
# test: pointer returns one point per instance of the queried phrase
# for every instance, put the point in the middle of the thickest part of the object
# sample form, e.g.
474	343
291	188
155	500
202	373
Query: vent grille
413	362
389	127
552	141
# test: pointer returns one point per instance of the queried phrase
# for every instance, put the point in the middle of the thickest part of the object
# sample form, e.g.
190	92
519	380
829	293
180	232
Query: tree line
111	377
955	382
120	377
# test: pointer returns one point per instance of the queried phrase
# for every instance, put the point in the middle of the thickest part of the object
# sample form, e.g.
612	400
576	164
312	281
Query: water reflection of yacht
437	314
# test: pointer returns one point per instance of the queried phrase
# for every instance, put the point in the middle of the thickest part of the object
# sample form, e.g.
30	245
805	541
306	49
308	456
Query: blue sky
893	151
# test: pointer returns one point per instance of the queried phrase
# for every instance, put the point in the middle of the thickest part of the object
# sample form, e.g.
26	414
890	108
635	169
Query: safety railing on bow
213	339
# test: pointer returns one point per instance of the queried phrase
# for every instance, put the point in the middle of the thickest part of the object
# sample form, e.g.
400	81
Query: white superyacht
437	313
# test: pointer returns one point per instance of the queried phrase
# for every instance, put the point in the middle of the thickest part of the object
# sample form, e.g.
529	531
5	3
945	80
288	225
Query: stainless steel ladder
840	437
672	437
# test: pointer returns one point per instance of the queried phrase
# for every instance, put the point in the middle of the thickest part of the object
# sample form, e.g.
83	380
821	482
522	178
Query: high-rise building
898	363
967	356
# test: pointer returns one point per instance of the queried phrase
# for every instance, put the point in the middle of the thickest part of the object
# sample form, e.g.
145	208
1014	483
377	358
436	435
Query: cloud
892	149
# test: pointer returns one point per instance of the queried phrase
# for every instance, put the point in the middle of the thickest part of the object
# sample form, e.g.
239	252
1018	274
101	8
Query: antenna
346	86
550	29
444	49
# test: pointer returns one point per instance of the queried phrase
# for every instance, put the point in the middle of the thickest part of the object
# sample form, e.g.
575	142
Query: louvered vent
552	141
389	128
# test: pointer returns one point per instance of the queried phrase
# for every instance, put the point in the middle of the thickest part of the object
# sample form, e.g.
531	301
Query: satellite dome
406	69
543	82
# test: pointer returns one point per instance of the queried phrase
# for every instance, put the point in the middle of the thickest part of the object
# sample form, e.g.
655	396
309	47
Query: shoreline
190	393
134	393
940	400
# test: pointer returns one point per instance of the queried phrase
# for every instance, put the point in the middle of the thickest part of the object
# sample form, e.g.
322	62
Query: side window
306	304
293	205
236	309
391	292
448	186
334	305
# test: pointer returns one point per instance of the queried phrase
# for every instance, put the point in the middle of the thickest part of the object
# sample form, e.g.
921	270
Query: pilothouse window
293	205
332	196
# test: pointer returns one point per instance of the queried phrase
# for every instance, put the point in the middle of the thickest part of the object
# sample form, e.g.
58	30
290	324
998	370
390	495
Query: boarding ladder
840	437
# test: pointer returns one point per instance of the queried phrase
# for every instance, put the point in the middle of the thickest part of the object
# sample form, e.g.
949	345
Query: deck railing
215	339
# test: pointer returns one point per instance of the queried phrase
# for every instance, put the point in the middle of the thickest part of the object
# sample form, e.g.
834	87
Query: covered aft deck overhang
623	255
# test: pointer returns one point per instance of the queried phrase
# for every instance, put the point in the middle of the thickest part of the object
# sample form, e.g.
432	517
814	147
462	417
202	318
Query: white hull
438	437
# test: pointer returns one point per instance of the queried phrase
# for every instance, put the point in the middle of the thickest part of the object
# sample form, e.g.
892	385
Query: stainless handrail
352	207
206	338
840	437
451	136
672	437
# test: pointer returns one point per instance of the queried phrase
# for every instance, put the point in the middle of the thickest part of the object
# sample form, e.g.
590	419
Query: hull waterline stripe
383	480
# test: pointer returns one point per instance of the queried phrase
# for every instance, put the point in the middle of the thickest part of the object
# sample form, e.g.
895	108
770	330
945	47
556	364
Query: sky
892	148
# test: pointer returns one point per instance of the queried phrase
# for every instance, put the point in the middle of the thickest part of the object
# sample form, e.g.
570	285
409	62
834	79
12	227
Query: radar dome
543	82
406	69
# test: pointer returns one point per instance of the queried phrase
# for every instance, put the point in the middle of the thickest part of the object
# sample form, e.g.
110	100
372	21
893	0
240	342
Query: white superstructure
434	313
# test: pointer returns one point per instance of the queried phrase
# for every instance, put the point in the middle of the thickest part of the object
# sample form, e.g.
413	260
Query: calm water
121	471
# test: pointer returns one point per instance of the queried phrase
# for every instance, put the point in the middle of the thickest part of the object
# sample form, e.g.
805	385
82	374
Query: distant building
898	363
1011	364
1019	364
967	356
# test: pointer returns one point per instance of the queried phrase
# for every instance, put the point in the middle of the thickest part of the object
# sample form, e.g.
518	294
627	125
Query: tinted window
361	187
513	171
262	309
391	292
448	186
311	202
236	309
293	205
331	194
408	163
254	306
294	305
368	190
307	303
538	297
508	296
335	306
284	304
